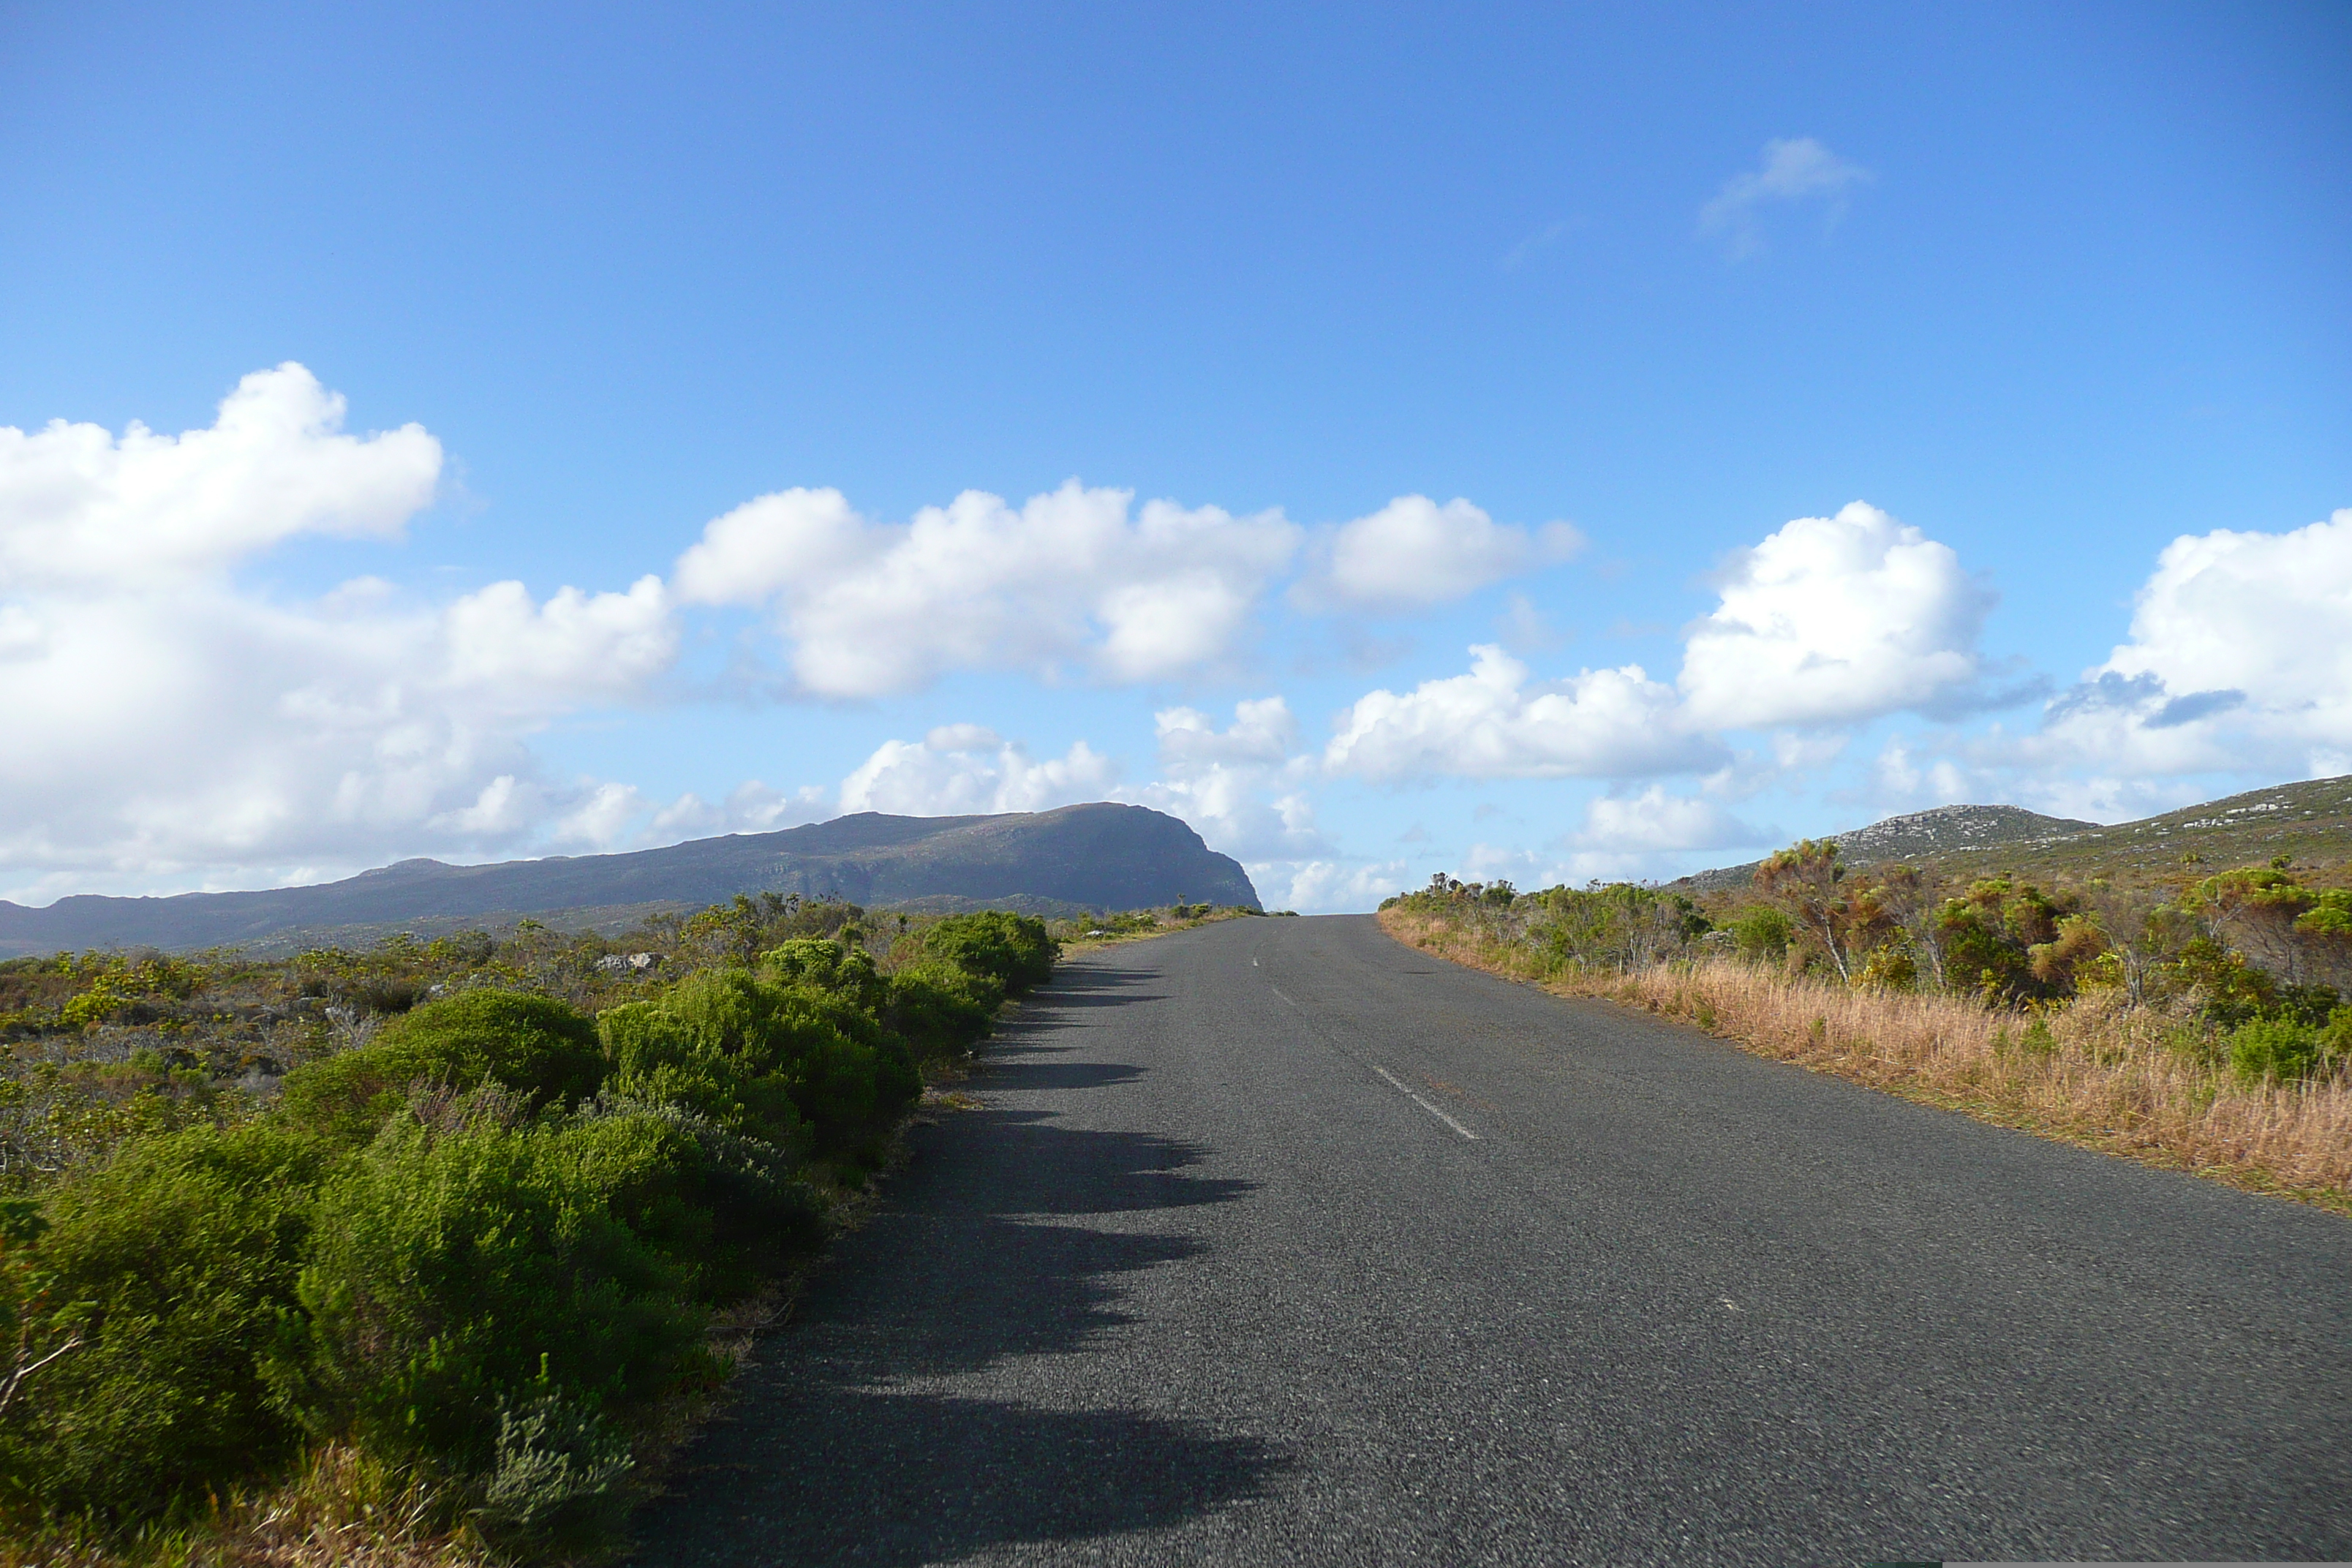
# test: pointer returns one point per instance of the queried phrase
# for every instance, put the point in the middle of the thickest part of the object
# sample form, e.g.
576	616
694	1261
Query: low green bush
535	1045
818	964
939	1009
659	1058
730	1042
458	1277
1014	950
721	1205
171	1266
2289	1050
1762	932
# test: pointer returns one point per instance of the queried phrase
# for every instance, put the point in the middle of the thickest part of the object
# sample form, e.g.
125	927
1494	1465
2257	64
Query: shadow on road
829	1456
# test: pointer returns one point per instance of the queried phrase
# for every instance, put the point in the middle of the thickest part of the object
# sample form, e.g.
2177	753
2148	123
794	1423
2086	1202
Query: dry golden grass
2110	1080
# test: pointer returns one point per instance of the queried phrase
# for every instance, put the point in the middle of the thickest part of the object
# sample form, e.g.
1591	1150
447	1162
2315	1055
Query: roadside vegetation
1129	925
432	1253
2202	1025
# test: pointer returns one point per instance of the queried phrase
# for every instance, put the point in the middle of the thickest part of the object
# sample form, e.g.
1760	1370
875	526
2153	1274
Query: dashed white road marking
1278	992
1399	1085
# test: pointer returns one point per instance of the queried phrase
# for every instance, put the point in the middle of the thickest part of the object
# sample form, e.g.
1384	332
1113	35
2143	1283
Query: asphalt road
1277	1242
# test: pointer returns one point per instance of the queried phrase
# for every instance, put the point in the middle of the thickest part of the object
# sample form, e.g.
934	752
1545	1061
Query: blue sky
2060	297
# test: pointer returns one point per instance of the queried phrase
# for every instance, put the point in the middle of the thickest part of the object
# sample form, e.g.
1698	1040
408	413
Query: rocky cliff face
1097	857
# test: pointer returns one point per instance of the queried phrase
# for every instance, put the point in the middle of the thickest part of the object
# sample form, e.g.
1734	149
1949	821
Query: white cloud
1797	169
2240	657
1412	553
1654	821
1835	620
752	806
603	817
184	730
870	609
1241	788
2264	616
1263	731
945	776
82	508
1328	887
576	647
1496	722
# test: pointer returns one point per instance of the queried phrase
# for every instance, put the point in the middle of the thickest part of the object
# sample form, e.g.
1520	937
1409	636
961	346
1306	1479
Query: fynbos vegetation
431	1248
2205	1026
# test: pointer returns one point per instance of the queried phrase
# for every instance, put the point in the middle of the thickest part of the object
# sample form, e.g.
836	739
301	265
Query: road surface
1276	1241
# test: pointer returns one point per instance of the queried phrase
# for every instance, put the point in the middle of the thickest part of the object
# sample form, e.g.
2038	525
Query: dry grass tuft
2093	1073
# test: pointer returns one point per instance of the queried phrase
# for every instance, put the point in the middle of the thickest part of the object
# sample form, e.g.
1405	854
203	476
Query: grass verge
2092	1073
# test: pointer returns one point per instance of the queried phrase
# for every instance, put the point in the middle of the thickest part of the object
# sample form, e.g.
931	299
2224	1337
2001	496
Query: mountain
2310	822
1079	857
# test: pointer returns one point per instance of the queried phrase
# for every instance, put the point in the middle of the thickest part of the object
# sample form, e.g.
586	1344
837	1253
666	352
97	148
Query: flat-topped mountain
1094	857
2310	821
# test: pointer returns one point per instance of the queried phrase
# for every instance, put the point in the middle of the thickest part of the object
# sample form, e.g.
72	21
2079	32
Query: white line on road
1278	991
1398	1084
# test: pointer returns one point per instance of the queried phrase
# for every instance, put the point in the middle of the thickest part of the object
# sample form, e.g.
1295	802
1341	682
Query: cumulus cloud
1414	553
80	507
2240	656
1243	788
1497	722
1066	579
1654	821
1793	170
960	770
184	728
1331	887
1835	620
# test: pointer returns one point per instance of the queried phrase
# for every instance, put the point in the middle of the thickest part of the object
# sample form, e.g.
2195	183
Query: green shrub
853	1094
534	1046
817	965
458	1277
719	1205
1763	933
939	1009
171	1263
729	1041
2289	1050
659	1059
1014	950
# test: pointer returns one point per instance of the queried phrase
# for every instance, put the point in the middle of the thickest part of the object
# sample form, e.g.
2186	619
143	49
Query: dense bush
1012	949
1762	932
2290	1048
533	1046
455	1276
734	1045
940	1009
166	1272
479	1240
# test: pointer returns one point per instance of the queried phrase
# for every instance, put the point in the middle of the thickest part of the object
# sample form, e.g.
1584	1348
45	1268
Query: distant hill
2311	821
1079	857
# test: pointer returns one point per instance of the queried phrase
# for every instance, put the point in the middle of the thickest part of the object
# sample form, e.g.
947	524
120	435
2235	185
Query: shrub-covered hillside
444	1224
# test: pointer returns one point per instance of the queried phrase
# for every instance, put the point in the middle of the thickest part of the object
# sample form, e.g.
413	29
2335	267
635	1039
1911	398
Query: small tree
1807	881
